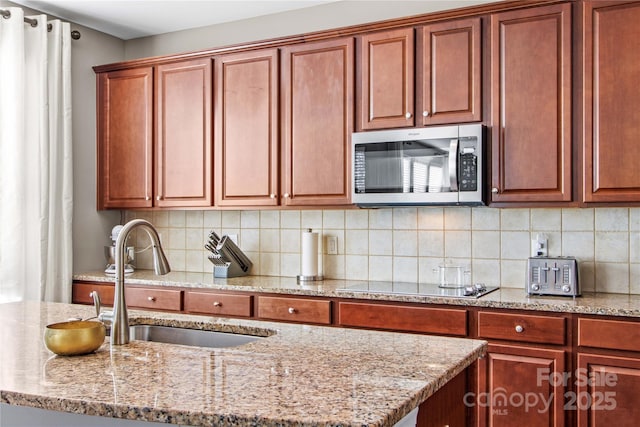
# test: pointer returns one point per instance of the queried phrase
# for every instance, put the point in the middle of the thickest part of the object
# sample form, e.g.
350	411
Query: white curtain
35	159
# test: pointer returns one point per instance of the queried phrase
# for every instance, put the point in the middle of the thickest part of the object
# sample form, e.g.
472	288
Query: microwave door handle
453	165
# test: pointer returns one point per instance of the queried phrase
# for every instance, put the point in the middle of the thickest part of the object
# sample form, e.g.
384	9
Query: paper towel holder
310	278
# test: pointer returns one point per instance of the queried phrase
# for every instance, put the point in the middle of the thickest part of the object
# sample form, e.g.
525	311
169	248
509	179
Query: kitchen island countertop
299	375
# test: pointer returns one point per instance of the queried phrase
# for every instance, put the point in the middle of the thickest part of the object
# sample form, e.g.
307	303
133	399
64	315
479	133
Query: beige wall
332	15
90	227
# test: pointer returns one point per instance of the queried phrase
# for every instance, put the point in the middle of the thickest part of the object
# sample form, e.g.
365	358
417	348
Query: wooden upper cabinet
317	122
531	105
448	72
386	87
183	137
246	129
611	103
125	138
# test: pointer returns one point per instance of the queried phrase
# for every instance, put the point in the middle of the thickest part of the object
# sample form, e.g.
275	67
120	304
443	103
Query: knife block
231	261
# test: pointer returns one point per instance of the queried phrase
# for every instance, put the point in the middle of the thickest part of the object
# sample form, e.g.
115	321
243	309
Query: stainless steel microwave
440	165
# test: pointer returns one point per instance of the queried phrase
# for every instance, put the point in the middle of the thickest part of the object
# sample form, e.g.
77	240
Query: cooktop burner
422	289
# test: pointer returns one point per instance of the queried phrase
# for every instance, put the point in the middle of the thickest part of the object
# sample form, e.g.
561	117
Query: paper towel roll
309	254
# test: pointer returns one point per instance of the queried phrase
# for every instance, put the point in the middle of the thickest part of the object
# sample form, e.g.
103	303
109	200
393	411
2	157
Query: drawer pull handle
217	304
519	328
152	299
291	310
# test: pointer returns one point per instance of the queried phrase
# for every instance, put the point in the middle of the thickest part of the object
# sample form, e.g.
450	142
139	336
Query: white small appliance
110	254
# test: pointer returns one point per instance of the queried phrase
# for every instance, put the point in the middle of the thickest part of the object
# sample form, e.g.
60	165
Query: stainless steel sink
192	337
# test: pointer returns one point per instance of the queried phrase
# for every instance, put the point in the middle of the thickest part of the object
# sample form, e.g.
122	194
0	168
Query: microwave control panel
468	172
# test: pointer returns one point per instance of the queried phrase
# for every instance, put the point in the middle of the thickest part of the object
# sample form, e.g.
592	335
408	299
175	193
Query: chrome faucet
119	317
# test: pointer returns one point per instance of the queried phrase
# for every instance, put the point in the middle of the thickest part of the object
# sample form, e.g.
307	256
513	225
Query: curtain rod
6	14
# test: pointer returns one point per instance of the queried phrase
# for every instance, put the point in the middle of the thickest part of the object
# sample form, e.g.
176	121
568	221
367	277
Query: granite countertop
302	375
506	298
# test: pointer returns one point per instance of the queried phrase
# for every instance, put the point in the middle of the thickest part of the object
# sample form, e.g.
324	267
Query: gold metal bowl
74	337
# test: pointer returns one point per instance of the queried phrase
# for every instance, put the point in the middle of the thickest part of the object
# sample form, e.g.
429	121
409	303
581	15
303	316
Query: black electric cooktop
421	289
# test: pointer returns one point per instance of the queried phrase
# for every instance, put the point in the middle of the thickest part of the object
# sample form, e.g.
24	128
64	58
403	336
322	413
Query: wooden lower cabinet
446	407
217	304
305	310
608	372
607	392
153	298
398	317
522	328
81	293
517	387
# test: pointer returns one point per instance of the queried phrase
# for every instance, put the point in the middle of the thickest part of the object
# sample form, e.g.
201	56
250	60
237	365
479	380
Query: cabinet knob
408	115
147	198
286	195
425	113
158	198
217	304
494	190
152	299
519	329
272	196
291	310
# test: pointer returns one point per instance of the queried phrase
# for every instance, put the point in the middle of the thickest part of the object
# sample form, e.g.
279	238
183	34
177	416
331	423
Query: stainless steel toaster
552	276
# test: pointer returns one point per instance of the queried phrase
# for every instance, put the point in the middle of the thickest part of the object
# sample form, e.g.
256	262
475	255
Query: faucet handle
96	302
103	316
106	317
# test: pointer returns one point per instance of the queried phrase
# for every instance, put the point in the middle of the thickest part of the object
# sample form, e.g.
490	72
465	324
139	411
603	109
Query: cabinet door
125	138
448	72
531	105
386	80
515	387
317	122
246	129
607	391
611	105
184	144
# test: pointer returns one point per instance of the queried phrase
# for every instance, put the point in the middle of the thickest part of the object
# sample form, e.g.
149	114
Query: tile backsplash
407	244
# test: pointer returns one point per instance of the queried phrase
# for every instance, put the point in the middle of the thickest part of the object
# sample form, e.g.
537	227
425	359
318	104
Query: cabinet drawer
402	318
81	293
611	334
153	298
217	304
522	327
295	309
